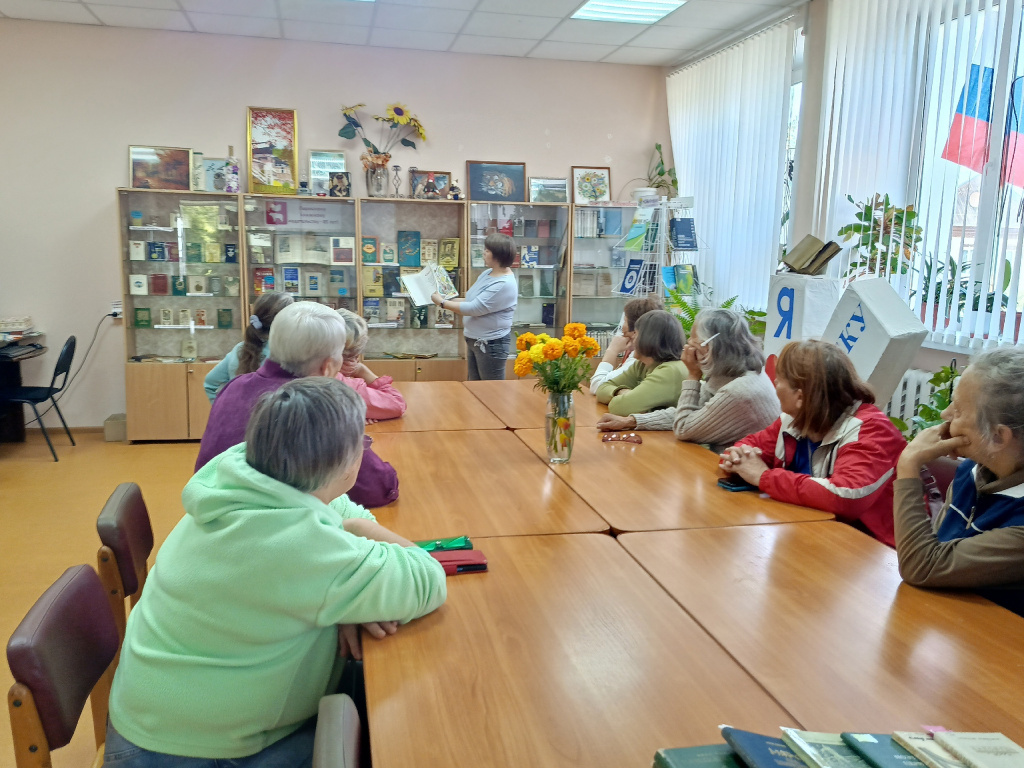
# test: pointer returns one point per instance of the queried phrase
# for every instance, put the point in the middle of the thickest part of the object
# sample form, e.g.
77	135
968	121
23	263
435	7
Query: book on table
926	749
431	279
982	750
880	751
822	750
711	756
759	751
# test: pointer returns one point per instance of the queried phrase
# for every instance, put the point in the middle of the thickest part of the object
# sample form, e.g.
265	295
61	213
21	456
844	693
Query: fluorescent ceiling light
631	11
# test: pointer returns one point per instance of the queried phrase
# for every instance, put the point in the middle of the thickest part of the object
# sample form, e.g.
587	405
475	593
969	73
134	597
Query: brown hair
265	310
828	379
636	308
502	248
659	335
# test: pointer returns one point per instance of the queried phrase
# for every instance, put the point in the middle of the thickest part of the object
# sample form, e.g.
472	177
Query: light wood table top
819	616
436	406
565	653
661	484
480	483
520	406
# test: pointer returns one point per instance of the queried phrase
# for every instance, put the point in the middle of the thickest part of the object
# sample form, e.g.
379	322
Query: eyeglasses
624	437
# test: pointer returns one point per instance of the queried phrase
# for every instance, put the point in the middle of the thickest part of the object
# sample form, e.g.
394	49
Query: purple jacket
377	483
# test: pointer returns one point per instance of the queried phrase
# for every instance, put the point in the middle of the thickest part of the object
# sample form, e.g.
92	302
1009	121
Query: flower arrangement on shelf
397	126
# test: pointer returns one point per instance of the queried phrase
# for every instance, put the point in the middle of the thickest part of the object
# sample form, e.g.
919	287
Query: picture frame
160	168
215	174
340	184
591	184
418	180
494	182
323	162
272	140
549	190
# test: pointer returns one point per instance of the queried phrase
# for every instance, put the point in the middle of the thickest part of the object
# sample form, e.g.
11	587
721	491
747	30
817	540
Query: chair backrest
124	527
60	653
60	371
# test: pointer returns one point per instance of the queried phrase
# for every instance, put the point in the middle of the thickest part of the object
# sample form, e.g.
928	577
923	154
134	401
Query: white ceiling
526	28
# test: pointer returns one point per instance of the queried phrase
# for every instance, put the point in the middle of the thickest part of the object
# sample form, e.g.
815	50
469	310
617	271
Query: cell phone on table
735	483
461	561
445	545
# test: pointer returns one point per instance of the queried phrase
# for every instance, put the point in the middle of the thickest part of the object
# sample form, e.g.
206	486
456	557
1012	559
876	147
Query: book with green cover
711	756
880	751
822	750
982	750
926	749
143	317
759	751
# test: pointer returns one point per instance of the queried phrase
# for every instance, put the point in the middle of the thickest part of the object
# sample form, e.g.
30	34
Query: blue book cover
339	284
632	277
612	221
683	234
290	277
156	251
712	756
408	248
530	255
879	750
230	253
759	751
547	314
668	279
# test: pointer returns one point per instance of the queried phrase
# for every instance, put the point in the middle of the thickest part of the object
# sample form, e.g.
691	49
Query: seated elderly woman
727	395
655	379
832	449
307	339
618	356
977	539
237	634
383	401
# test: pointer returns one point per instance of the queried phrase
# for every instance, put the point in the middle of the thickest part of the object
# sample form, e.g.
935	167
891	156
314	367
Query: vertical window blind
727	117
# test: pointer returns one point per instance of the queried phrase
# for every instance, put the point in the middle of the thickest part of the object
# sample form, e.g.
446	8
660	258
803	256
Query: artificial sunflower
351	111
397	113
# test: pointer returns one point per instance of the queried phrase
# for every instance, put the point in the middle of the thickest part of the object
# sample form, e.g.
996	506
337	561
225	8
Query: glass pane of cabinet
599	261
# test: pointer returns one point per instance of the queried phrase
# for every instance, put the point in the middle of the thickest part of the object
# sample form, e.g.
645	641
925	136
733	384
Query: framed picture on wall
496	182
591	185
322	163
419	184
339	184
543	190
160	167
273	153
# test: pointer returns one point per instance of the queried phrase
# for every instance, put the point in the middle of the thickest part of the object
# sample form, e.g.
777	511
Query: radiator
912	390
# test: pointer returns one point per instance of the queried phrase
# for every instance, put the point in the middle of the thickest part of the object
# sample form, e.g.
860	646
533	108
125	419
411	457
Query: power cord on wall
81	365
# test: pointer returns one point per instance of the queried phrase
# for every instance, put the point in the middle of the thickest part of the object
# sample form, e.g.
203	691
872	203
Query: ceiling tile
659	57
556	8
715	14
509	25
424	19
607	32
317	31
460	5
676	37
222	24
498	46
167	4
265	8
359	14
144	18
47	10
571	51
407	38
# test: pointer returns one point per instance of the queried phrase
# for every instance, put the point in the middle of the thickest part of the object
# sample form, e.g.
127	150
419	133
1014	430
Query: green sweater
654	388
234	640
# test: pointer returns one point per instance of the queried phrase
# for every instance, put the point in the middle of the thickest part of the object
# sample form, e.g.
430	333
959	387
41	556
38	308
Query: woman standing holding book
488	308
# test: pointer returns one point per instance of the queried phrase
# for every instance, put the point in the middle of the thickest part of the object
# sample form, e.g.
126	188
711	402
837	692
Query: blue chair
35	396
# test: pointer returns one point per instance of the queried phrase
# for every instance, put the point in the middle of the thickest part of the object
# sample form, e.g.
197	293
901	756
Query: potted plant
658	177
886	237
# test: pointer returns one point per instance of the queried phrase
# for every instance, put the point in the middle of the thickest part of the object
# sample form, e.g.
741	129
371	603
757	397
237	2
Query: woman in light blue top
488	308
248	355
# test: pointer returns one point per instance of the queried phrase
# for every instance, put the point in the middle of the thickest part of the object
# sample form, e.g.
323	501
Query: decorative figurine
454	193
430	191
397	181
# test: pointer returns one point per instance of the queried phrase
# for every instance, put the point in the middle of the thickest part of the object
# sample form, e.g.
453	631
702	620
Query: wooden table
564	654
480	483
819	616
437	406
520	406
661	484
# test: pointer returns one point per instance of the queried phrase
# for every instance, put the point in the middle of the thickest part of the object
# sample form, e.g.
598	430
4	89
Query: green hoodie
234	640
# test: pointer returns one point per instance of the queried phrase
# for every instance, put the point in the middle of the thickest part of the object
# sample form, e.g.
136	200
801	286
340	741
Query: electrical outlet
116	310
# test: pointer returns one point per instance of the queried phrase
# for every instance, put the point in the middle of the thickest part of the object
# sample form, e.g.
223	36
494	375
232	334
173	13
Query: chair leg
61	415
43	427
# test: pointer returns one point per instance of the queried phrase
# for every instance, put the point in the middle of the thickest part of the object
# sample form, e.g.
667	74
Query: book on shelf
225	319
448	253
287	249
339	285
160	285
166	317
604	283
136	250
373	280
880	751
822	750
316	249
547	283
230	253
547	314
517	259
686	277
215	283
418	317
618	256
982	750
529	256
584	284
612	222
759	751
261	254
171	249
476	255
343	250
179	286
926	749
631	279
232	285
518	227
428	252
543	228
194	253
395	311
668	280
371	310
682	234
200	317
290	279
711	756
368	249
262	280
526	287
184	316
444	318
409	248
431	279
392	284
506	227
213	253
312	282
530	228
156	251
389	253
143	317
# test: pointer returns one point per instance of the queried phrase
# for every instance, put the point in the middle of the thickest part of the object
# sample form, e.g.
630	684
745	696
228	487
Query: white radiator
912	390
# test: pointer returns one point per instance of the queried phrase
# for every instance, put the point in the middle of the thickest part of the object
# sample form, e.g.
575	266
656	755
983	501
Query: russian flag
1013	146
967	144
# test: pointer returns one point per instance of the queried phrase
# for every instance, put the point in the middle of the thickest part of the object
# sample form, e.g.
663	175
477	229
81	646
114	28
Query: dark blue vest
977	512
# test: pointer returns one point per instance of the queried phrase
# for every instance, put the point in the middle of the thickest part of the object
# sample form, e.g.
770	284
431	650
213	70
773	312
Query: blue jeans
293	751
486	359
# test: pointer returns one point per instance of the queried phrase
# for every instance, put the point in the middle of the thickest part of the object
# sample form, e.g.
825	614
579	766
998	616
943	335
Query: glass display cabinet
599	261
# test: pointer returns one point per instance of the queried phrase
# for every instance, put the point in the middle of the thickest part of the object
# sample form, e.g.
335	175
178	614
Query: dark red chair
127	541
61	654
937	475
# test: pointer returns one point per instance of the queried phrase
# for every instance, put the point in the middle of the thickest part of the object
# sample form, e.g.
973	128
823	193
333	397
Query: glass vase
377	181
560	427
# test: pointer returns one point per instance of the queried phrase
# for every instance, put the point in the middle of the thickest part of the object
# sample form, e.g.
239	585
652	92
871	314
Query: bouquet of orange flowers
560	364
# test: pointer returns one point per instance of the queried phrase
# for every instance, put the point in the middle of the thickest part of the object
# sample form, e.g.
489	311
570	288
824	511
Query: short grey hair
306	432
1001	391
734	351
304	335
356	332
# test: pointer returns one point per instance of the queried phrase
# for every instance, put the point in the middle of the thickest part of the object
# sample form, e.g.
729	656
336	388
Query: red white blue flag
967	144
1013	147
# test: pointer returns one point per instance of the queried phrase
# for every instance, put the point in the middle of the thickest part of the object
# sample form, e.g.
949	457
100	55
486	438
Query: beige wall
73	99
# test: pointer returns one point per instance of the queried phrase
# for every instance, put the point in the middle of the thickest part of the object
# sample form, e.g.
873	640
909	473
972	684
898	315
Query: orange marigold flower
589	346
525	340
571	346
552	349
523	365
575	330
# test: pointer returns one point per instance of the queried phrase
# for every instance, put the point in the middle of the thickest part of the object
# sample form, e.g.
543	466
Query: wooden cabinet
198	403
441	369
399	370
166	401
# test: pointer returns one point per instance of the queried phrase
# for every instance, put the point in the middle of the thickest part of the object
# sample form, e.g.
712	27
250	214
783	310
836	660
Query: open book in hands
432	278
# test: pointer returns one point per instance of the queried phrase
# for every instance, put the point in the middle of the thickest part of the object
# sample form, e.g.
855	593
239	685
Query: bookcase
599	263
399	236
541	233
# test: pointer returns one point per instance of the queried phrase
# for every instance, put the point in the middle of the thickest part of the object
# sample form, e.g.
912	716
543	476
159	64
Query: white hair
1000	374
356	333
304	336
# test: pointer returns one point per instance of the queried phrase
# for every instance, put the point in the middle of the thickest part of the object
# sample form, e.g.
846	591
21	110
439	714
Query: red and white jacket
852	471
